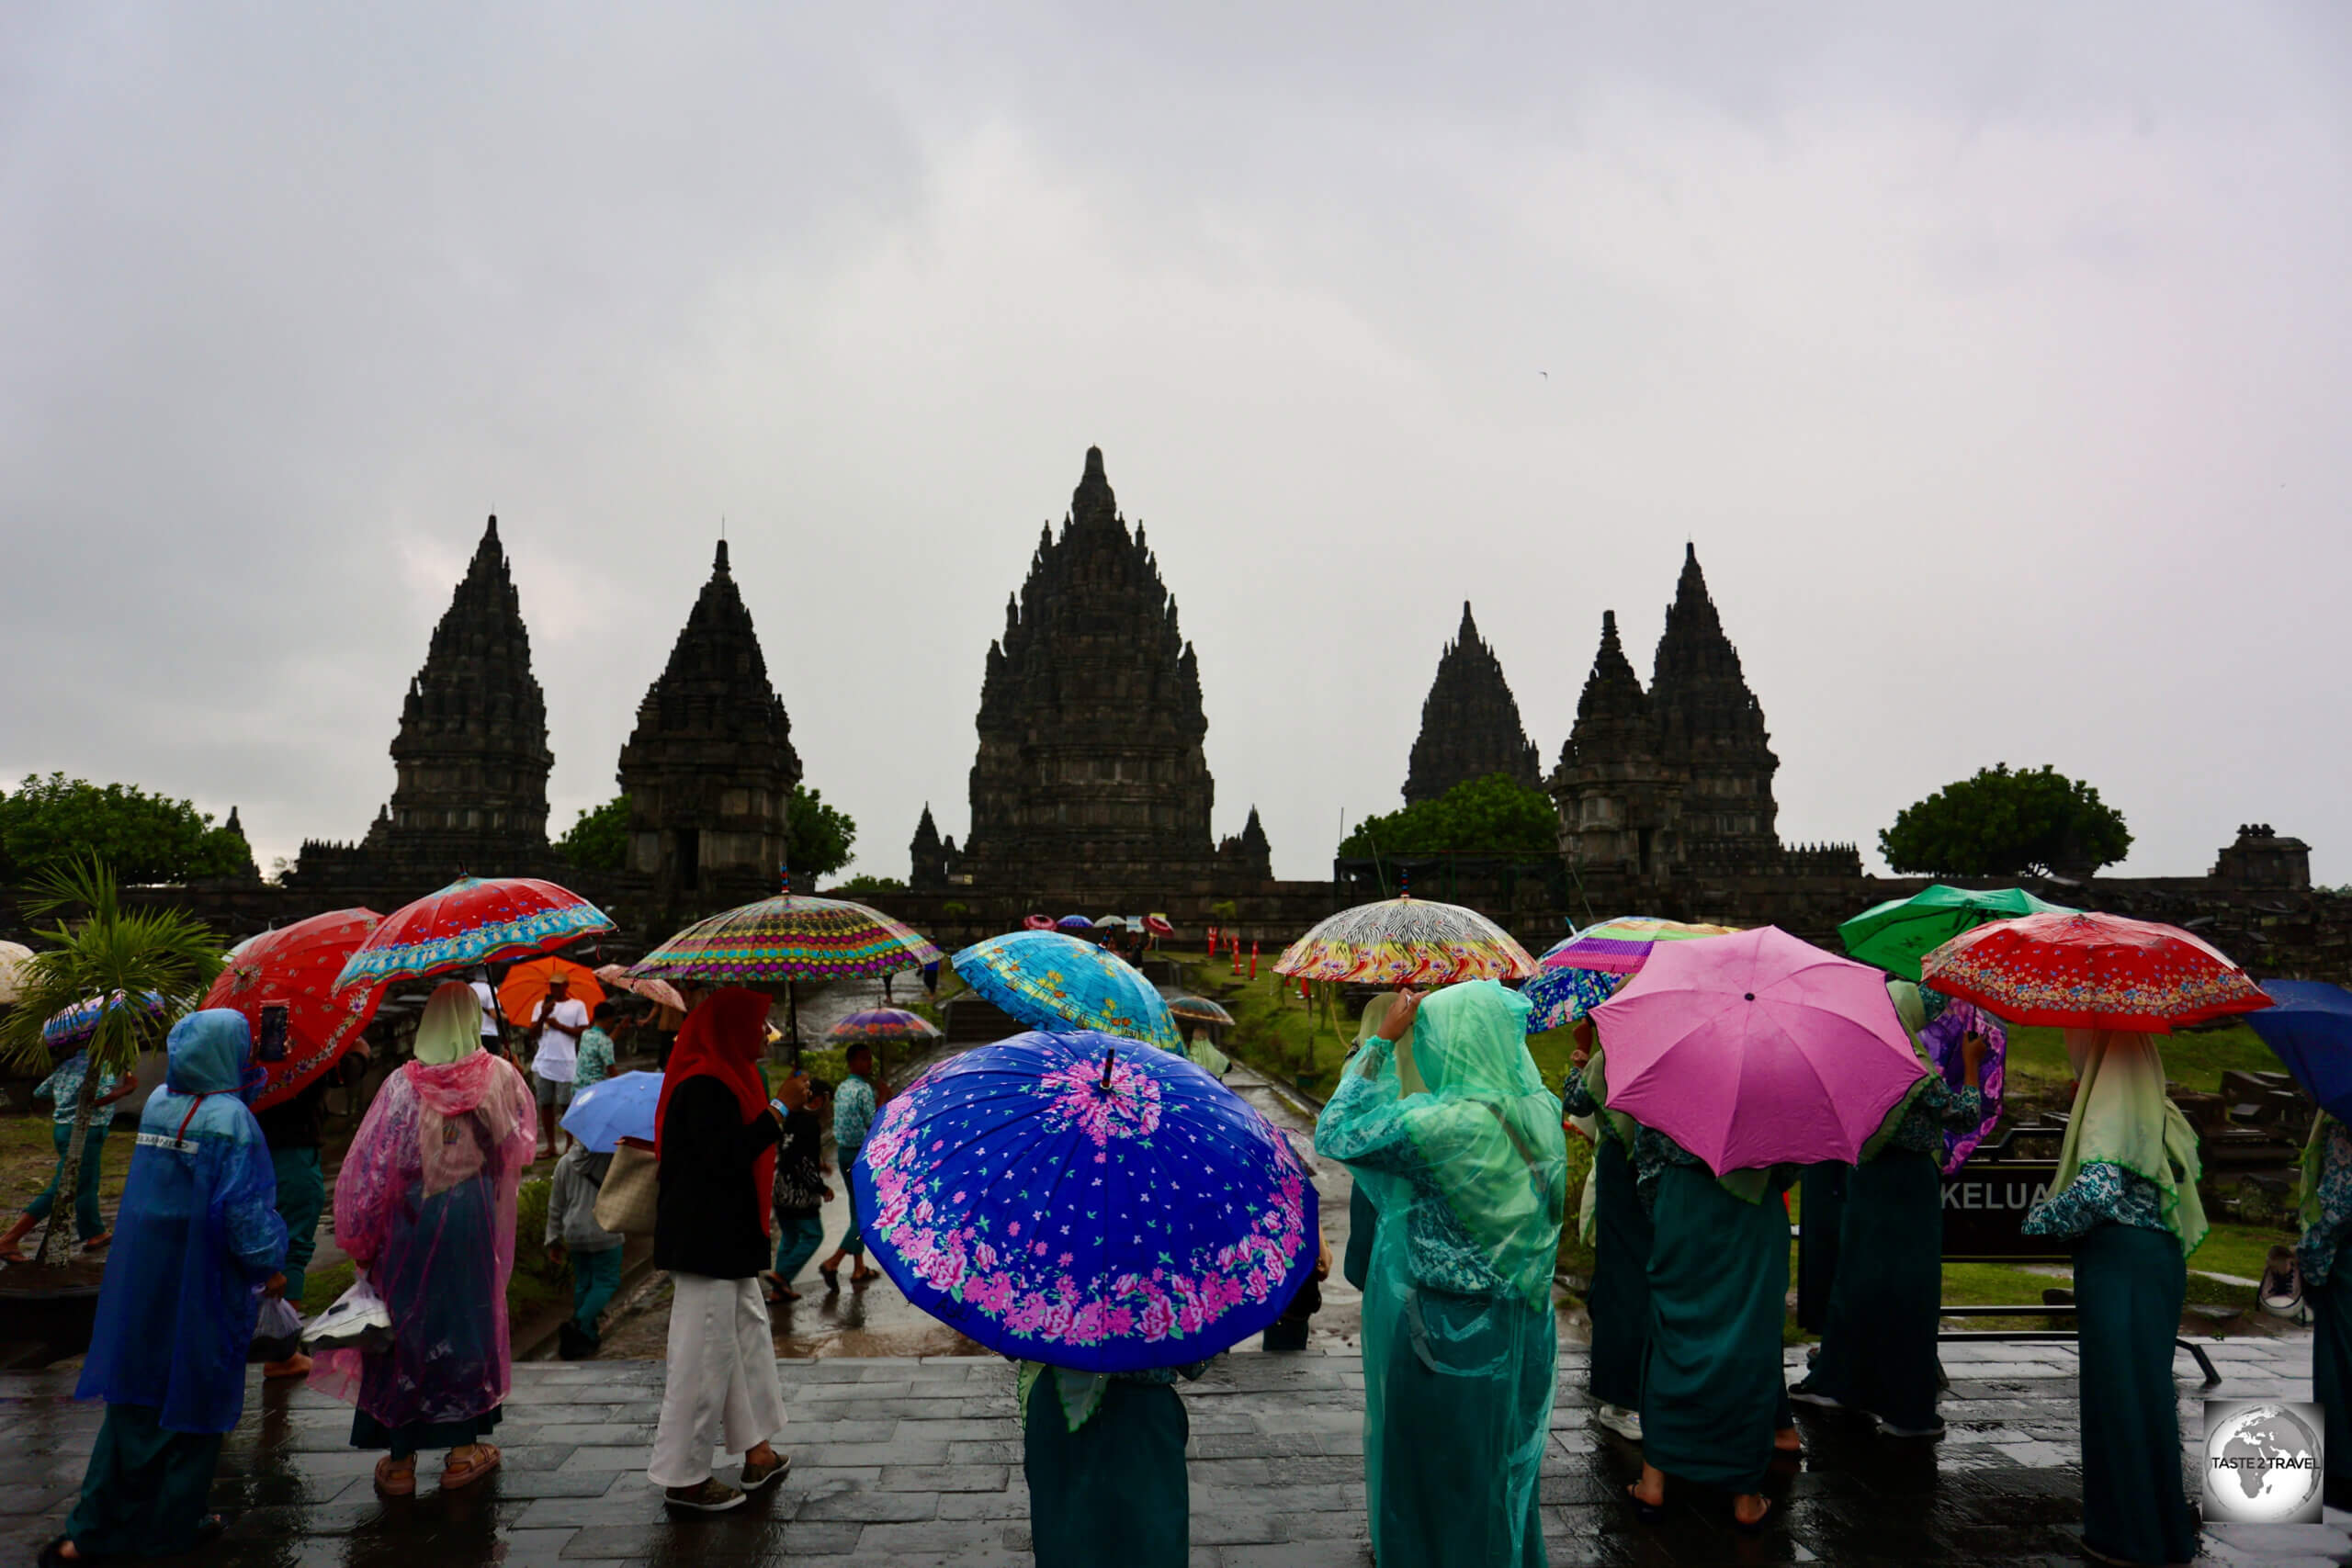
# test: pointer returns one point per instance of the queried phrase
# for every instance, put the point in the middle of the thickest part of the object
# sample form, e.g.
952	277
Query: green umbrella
1896	935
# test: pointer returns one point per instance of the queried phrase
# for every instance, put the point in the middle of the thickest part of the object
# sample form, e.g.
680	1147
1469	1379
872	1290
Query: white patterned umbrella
1405	941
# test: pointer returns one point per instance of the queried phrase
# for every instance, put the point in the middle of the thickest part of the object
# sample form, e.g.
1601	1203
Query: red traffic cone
1253	958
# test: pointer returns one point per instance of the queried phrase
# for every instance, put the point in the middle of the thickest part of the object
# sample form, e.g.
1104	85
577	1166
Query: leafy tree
49	823
599	840
862	883
818	838
1495	814
107	950
2001	823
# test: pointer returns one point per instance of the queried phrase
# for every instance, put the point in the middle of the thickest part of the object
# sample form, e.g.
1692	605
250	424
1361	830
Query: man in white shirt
488	997
561	1020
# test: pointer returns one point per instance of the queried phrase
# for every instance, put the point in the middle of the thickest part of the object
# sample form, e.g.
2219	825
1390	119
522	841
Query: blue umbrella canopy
1075	923
2310	1027
1562	996
622	1107
1059	984
1075	1200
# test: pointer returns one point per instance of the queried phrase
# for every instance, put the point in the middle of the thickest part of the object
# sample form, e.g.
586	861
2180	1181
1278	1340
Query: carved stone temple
709	769
471	758
1090	787
1470	725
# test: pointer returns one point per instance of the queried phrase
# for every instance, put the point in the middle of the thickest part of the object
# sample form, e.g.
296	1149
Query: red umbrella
296	969
474	920
2091	971
1038	922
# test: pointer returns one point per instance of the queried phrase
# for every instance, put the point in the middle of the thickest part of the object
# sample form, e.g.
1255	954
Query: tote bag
625	1204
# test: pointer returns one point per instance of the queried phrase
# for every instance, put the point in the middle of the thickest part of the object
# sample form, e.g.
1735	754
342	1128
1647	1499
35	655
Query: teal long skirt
1719	1278
2331	1307
2129	1283
144	1493
1821	1211
1878	1348
1619	1302
1466	1411
1115	1492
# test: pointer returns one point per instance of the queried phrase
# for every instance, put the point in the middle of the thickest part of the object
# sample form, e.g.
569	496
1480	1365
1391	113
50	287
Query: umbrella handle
1108	1056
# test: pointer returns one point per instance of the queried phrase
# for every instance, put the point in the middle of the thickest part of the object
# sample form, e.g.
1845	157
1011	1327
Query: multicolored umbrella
1062	985
1038	922
661	993
1074	923
1405	941
2310	1028
1896	935
884	1026
1757	1049
527	985
1941	1040
12	957
790	937
296	967
2092	971
473	920
1071	1199
72	1027
1199	1010
1621	946
1563	996
618	1107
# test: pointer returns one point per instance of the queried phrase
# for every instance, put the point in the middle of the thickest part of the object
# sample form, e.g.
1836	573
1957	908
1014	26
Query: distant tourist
799	1192
852	1118
2125	1195
424	1204
1878	1346
201	1244
486	995
558	1024
716	1132
2326	1213
1444	1117
595	1060
62	1089
292	1128
574	1237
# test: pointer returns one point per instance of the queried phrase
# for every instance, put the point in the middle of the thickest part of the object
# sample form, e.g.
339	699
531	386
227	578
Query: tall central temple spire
1470	725
1090	775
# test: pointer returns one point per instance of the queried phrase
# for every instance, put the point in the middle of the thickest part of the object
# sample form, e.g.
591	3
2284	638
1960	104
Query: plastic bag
277	1333
357	1321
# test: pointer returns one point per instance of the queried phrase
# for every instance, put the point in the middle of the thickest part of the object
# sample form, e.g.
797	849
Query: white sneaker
1626	1423
1889	1429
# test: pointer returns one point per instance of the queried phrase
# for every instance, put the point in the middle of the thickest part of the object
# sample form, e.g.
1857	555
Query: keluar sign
1985	1208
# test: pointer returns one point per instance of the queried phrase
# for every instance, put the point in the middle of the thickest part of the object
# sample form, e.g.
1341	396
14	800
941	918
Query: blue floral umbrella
1562	996
1075	1199
1059	984
73	1026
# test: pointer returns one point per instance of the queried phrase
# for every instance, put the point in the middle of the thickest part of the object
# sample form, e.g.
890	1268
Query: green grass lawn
2038	1073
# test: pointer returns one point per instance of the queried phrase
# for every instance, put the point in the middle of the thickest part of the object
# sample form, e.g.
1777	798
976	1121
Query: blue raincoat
195	1237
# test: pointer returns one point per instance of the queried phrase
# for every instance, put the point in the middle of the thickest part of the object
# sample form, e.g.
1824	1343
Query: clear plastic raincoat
426	1204
196	1236
1454	1138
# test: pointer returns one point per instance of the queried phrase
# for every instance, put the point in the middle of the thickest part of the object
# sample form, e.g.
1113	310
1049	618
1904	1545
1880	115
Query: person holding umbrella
1445	1118
1877	1347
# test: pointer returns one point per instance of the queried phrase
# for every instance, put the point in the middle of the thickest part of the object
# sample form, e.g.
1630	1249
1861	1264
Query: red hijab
723	1039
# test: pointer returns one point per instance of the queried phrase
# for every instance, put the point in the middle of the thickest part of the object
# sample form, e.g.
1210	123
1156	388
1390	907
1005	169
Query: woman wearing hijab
200	1242
1878	1346
424	1204
2326	1216
1444	1117
1620	1300
2125	1194
716	1132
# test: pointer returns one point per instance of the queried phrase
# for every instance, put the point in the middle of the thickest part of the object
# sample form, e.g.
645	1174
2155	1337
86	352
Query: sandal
466	1472
99	1241
396	1478
1754	1525
833	1278
1648	1513
53	1554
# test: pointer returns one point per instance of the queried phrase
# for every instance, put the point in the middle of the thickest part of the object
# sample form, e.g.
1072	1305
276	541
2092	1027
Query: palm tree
108	951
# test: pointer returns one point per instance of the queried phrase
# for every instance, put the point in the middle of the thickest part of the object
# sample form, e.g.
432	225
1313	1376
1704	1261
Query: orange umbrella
525	986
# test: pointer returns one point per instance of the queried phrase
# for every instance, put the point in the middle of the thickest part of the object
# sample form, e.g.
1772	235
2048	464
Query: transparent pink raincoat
425	1205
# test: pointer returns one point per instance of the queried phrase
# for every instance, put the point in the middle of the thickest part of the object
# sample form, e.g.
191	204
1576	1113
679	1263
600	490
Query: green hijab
451	1027
2123	1118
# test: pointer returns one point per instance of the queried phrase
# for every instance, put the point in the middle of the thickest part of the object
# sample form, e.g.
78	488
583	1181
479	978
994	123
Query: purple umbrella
1941	1038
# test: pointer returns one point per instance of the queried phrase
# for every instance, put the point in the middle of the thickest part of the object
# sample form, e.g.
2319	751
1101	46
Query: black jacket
710	1212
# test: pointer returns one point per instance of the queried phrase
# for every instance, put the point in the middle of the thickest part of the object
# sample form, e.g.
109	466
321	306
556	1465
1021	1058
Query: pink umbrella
1756	1049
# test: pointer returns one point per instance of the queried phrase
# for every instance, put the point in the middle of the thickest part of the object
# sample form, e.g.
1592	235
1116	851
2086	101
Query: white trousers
722	1382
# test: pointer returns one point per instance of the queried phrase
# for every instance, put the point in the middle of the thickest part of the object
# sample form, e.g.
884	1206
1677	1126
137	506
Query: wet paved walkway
915	1462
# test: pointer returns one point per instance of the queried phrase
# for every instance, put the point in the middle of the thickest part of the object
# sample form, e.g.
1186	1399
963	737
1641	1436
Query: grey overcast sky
1997	358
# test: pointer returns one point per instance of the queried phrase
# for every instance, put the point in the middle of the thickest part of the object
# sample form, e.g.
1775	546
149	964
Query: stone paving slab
918	1462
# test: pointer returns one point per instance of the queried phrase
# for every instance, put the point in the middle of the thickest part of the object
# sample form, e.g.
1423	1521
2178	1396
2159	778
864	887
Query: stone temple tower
471	753
1620	805
1091	783
1470	724
709	769
1711	726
